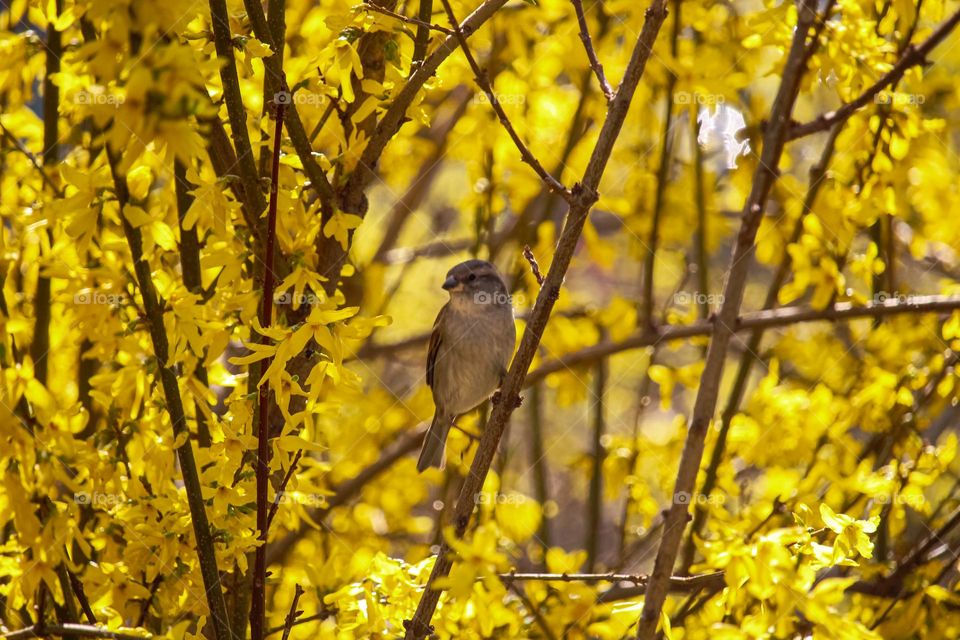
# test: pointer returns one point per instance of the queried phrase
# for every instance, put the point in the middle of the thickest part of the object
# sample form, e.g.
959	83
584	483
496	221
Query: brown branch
232	96
892	585
153	316
273	65
766	319
912	55
583	196
421	22
774	139
283	487
292	616
818	173
484	83
591	53
534	265
258	603
677	583
60	630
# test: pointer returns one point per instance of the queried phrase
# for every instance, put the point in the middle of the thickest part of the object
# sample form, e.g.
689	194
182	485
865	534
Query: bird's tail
434	443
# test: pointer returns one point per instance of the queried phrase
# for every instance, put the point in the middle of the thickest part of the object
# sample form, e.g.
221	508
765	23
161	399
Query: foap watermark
299	498
496	297
499	98
914	501
682	497
695	97
495	497
97	499
98	98
93	296
894	297
296	299
695	297
299	98
899	98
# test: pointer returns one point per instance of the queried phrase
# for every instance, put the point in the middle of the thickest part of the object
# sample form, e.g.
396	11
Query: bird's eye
472	277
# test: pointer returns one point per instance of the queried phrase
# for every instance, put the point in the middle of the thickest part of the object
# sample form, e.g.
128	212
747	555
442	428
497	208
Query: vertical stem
277	25
662	169
40	345
700	238
425	14
594	504
538	460
818	174
190	267
153	310
774	140
258	602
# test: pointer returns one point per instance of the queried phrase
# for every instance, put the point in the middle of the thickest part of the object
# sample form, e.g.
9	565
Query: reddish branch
258	601
582	198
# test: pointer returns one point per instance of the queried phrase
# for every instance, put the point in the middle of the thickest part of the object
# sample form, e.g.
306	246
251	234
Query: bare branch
608	92
677	583
484	83
258	602
757	320
292	616
534	265
414	21
775	136
81	630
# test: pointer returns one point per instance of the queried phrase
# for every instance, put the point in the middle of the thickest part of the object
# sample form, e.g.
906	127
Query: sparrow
470	348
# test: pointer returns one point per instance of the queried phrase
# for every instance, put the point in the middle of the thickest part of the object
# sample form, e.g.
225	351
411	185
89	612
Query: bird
470	348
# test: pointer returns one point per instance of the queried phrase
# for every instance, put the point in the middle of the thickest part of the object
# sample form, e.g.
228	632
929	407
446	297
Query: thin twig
533	609
534	265
484	83
767	319
33	160
415	21
153	315
282	487
292	616
608	92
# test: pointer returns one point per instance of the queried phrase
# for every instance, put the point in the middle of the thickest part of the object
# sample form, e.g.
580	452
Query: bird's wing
434	348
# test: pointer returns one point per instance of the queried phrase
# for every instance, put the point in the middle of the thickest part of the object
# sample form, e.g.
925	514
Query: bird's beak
450	283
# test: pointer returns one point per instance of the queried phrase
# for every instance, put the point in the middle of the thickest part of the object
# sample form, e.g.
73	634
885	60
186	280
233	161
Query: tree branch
583	196
757	320
258	605
677	583
776	133
484	83
153	310
913	55
591	53
80	630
